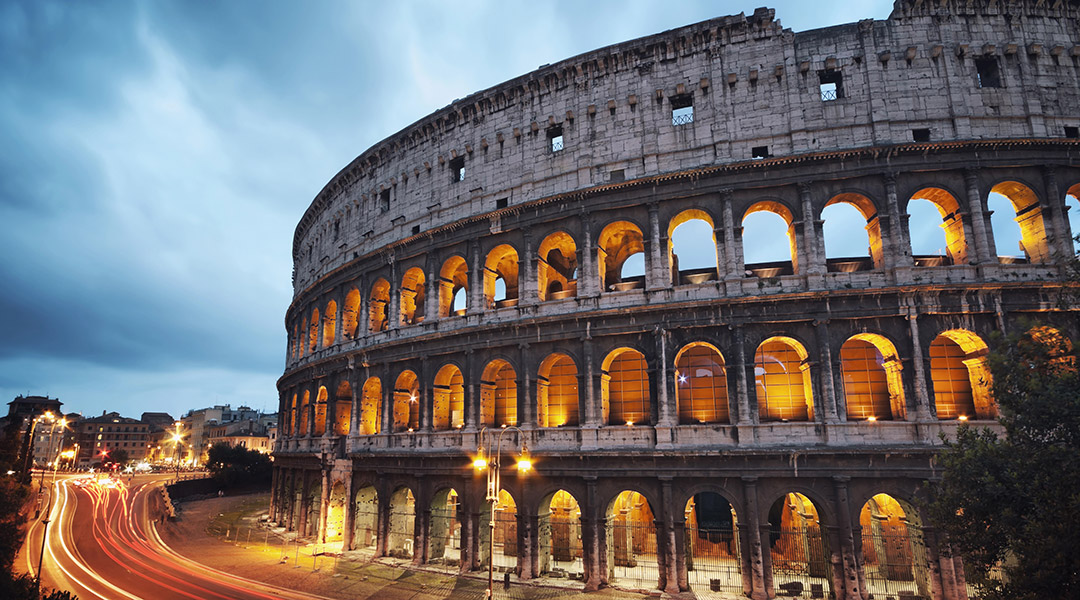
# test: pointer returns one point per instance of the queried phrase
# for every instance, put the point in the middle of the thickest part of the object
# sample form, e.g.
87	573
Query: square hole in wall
617	175
1072	132
384	200
502	203
831	85
989	73
759	152
682	109
457	169
921	134
555	138
415	229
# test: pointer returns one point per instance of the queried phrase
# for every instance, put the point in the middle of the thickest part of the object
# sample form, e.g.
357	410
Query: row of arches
870	373
692	256
713	541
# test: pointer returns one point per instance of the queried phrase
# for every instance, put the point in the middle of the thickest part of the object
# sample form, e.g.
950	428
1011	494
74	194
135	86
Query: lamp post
177	439
486	460
48	416
27	464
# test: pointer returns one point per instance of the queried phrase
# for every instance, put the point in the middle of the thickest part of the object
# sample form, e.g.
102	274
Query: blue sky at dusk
157	156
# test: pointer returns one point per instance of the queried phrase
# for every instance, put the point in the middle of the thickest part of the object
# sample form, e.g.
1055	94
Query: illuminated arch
320	411
782	381
894	555
399	542
342	408
453	276
305	403
379	306
350	314
498	394
501	265
1029	217
313	331
869	213
406	402
330	325
366	520
701	385
631	527
952	224
624	388
798	547
560	548
371	407
873	388
557	391
778	209
692	232
712	549
448	401
557	266
335	514
960	376
506	537
444	527
618	242
294	417
412	296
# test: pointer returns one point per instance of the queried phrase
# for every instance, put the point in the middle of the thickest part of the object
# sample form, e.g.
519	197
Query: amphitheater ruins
510	264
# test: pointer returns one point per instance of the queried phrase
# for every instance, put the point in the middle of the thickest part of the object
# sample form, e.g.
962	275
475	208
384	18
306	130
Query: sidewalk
225	534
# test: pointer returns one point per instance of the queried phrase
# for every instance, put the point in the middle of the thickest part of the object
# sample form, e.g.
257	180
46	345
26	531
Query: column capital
804	186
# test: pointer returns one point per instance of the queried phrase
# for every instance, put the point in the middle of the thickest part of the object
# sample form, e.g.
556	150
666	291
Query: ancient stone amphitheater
508	267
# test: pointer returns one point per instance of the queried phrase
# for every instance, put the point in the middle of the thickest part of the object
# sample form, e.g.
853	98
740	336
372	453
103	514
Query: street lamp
486	460
177	438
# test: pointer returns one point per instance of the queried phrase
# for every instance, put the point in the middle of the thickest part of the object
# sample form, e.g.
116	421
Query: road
102	542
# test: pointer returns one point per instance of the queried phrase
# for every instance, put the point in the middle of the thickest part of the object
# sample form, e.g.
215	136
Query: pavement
226	534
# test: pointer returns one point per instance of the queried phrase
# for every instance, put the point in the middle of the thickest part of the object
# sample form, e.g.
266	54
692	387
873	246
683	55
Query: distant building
24	409
100	437
196	425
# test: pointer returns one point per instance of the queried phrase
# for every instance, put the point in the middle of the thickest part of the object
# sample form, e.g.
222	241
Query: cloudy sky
155	158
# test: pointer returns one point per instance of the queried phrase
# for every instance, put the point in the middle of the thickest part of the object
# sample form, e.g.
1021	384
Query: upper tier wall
752	83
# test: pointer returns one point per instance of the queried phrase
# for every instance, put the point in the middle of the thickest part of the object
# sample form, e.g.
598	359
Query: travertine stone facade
467	273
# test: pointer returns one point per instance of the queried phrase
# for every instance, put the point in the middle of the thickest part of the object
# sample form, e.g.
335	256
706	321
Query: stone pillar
348	524
592	413
933	563
732	270
324	503
754	566
897	246
922	410
657	272
528	288
290	504
427	398
527	524
985	253
421	521
669	548
742	390
331	408
431	295
593	540
828	388
357	379
382	540
387	400
275	491
851	568
472	395
814	246
526	405
305	489
393	316
1061	242
339	330
313	399
466	517
588	277
667	414
476	279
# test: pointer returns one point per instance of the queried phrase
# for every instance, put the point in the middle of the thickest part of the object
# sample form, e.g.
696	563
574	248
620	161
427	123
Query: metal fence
632	554
800	563
893	566
713	559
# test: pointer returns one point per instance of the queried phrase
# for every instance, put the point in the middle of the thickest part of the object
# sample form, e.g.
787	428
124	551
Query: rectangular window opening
384	200
415	229
759	152
555	137
1072	132
682	109
617	175
502	203
920	135
457	169
831	85
989	74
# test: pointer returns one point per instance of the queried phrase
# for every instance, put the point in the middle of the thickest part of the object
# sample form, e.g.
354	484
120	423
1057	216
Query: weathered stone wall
753	84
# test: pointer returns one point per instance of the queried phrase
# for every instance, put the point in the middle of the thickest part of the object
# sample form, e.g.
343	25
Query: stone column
393	316
669	549
313	399
472	396
324	502
476	280
851	570
828	401
657	273
357	379
528	290
348	524
897	247
922	410
387	401
732	269
593	542
742	385
305	489
588	281
339	329
526	406
814	246
427	398
382	540
431	296
592	411
754	568
331	408
933	562
290	504
985	253
1061	242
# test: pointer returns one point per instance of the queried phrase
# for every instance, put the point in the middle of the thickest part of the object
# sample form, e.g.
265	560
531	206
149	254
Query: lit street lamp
486	460
178	439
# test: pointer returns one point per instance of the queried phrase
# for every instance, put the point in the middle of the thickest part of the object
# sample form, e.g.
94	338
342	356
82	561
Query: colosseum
566	264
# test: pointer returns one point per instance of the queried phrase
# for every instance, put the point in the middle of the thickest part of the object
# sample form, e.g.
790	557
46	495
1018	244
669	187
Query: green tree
236	465
1013	501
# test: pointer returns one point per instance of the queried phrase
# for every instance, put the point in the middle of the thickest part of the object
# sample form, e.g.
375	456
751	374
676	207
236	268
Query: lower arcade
809	524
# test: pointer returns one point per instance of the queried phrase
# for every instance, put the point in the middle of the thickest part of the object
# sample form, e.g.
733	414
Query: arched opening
366	522
894	555
313	331
557	392
556	271
560	536
498	394
379	306
335	514
713	555
330	325
294	418
501	266
624	388
873	389
448	410
798	548
412	296
701	385
320	411
692	248
294	343
314	506
1056	346
371	407
765	224
782	381
846	251
617	243
929	246
342	408
399	542
453	286
960	376
631	541
406	403
444	533
506	538
305	404
1027	214
350	314
1072	211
